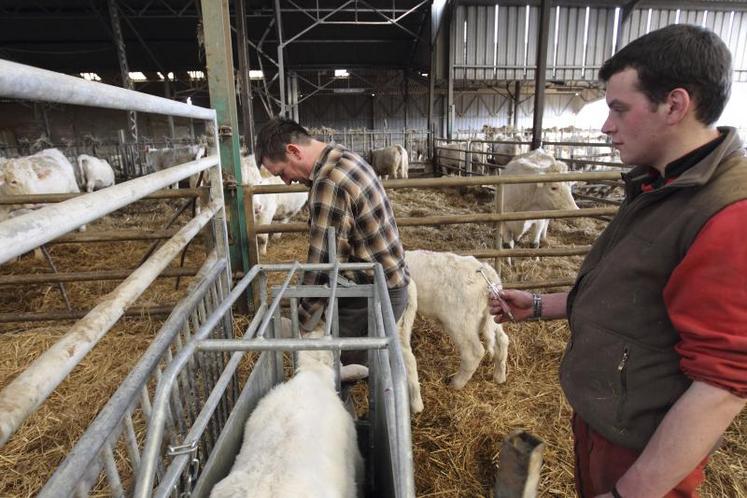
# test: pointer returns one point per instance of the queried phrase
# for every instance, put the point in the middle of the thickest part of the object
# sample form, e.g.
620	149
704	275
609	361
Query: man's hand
519	301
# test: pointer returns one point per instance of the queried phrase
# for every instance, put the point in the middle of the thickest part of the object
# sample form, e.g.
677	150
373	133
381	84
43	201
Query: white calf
95	173
300	440
449	289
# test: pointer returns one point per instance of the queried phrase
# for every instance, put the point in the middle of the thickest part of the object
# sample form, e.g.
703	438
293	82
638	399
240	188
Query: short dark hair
679	56
275	135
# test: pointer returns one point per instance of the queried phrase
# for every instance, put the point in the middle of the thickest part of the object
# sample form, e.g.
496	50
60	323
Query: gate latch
225	131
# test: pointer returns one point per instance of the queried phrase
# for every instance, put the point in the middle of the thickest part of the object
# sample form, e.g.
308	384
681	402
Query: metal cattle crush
174	425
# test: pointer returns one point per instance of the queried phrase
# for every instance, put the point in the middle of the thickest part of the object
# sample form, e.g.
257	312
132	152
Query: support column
294	97
218	54
407	95
281	60
539	75
516	104
247	105
431	98
123	67
168	94
450	77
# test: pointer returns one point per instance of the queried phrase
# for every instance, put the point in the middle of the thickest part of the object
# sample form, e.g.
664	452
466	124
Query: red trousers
601	463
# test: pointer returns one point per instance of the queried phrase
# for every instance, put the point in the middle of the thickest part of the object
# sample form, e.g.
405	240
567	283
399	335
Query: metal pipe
51	198
86	276
519	253
457	219
20	81
281	61
265	344
457	181
30	230
123	66
65	477
45	316
29	390
146	472
539	75
112	236
247	110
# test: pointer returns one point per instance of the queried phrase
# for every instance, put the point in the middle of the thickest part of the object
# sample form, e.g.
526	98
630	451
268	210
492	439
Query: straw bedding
456	439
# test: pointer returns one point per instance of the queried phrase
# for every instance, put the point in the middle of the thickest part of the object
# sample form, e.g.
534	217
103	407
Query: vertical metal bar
539	76
516	103
498	208
247	106
452	44
281	59
168	94
407	97
115	483
218	52
123	67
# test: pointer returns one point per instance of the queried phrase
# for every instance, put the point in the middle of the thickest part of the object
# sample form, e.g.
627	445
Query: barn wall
68	122
500	42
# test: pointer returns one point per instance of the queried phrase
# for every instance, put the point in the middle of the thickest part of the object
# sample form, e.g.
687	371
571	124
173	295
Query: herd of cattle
50	172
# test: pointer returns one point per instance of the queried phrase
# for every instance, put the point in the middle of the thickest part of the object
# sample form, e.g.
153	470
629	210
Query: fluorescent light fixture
349	90
256	74
169	75
91	76
424	75
196	75
341	73
137	76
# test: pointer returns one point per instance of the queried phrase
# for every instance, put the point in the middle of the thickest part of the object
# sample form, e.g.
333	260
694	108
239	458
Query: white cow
299	440
454	156
448	288
269	207
95	173
160	159
390	161
502	153
533	197
46	172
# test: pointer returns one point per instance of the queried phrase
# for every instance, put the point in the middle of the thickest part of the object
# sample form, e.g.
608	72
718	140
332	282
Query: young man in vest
656	366
347	195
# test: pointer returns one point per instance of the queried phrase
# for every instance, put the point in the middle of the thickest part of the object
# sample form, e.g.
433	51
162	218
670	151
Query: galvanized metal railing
18	235
200	460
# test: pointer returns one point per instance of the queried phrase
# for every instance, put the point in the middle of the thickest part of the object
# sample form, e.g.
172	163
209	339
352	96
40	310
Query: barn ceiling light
255	74
137	76
170	76
196	75
341	73
91	76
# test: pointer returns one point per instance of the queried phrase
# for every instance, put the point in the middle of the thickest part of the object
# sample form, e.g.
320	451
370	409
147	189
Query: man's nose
607	127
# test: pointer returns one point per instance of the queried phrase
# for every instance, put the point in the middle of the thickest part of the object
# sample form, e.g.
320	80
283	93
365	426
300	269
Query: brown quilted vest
620	371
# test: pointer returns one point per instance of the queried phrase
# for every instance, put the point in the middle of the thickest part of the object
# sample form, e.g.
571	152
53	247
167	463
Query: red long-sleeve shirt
706	298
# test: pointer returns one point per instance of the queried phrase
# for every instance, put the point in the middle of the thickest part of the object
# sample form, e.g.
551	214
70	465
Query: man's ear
294	151
679	102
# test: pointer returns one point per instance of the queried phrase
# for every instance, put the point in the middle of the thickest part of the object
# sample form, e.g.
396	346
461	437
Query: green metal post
217	27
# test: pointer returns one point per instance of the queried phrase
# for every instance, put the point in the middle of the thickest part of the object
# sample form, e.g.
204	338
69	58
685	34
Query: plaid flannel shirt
346	194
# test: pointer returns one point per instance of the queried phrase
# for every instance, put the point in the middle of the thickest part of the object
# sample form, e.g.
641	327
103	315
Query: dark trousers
601	463
353	316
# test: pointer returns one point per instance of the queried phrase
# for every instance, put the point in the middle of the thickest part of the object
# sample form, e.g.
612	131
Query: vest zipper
623	386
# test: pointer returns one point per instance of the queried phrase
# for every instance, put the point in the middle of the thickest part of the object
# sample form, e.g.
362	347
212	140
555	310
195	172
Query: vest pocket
622	377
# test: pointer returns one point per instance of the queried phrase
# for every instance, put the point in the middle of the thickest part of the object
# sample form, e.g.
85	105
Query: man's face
291	168
635	125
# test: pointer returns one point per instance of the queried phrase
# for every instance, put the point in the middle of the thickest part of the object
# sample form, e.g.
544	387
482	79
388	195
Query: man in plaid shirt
345	194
